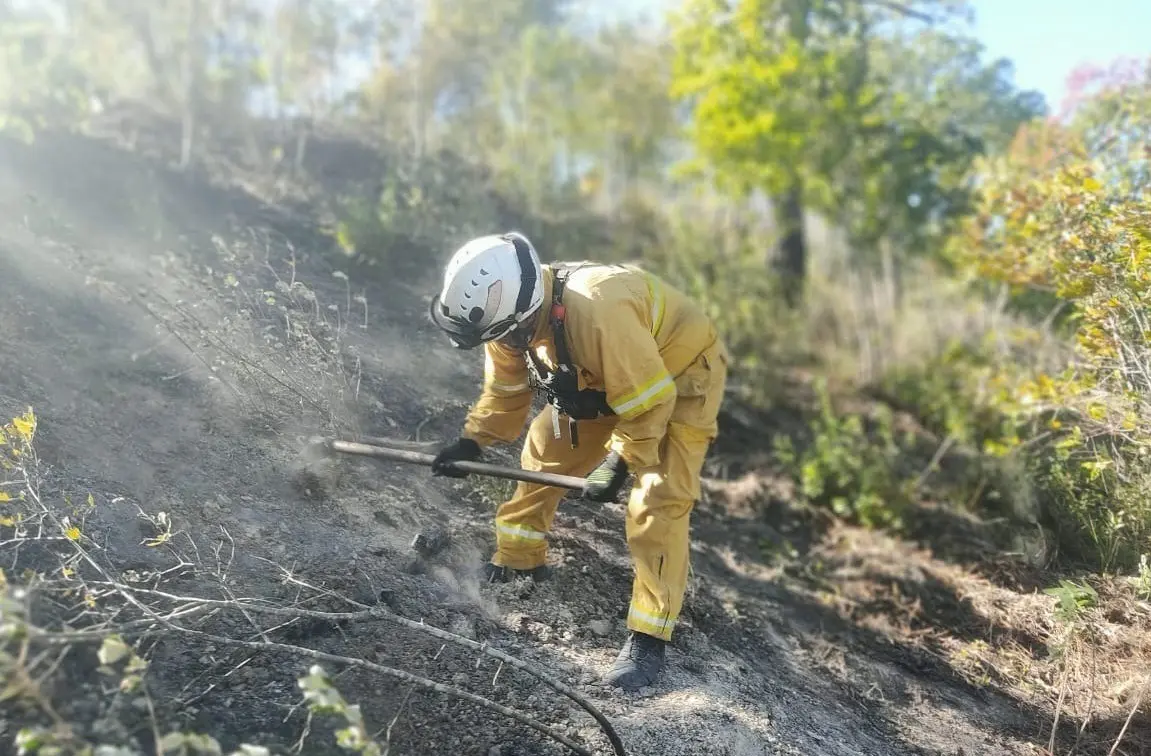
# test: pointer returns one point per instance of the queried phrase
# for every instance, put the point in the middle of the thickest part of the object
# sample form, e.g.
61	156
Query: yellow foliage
1065	215
25	426
1046	221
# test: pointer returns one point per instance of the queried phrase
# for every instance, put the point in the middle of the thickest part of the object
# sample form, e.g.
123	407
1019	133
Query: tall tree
792	98
41	82
631	117
771	84
197	59
906	178
442	58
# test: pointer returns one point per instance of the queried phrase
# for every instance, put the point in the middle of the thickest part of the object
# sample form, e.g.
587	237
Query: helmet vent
483	272
495	293
476	314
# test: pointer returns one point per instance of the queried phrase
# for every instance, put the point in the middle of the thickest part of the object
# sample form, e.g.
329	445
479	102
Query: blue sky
1045	39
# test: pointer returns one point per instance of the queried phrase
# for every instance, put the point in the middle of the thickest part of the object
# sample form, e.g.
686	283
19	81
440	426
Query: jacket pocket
699	391
694	381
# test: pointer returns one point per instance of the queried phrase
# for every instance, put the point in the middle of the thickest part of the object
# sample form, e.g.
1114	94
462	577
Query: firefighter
633	373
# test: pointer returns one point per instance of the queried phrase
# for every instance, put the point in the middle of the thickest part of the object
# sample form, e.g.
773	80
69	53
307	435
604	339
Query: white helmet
491	285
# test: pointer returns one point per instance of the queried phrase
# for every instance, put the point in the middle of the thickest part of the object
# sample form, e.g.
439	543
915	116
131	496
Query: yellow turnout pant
660	504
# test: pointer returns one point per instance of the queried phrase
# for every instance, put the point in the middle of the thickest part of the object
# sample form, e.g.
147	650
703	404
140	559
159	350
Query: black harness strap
527	272
561	386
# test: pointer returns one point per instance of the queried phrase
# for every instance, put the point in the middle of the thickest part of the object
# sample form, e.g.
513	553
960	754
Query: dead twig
936	458
385	614
398	674
368	613
168	326
395	719
1130	716
157	612
299	747
1059	704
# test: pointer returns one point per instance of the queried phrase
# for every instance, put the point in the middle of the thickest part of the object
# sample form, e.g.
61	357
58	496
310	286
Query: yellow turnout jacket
630	334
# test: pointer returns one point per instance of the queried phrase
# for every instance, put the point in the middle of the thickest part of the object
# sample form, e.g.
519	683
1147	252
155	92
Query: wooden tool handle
479	468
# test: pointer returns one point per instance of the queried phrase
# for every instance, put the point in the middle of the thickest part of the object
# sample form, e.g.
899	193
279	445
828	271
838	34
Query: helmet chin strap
520	336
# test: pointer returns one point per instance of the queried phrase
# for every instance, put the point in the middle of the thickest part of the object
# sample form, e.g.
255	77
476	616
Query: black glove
606	481
462	450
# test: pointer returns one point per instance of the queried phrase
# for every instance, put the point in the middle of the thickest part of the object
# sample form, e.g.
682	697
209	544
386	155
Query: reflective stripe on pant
523	521
658	524
659	508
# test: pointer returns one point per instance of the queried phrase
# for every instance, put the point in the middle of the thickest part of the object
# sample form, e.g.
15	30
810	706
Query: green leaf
112	650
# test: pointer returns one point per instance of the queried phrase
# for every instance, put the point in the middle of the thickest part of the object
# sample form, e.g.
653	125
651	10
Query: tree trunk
791	261
892	275
303	129
189	81
187	132
419	113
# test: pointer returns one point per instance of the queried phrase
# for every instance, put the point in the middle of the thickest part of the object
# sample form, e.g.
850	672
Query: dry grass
862	325
986	616
1091	673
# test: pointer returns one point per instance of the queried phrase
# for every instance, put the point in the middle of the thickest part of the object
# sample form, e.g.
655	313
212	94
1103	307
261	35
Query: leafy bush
1095	500
850	467
723	271
953	395
424	208
1065	213
419	205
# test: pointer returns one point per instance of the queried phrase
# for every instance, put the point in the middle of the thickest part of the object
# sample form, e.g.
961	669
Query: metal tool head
318	447
315	470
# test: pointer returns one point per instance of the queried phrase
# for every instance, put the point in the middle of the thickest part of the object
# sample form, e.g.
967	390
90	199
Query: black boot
497	573
639	662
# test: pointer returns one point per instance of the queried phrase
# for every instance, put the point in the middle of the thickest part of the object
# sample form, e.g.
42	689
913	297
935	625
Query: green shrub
725	274
1095	500
421	206
851	466
1064	214
950	394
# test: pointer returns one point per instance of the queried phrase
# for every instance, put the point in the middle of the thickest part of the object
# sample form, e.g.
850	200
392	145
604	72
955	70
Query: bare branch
367	613
107	604
391	725
399	674
905	10
1130	716
385	614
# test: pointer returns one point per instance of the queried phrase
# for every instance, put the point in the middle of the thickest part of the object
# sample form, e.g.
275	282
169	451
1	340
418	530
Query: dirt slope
151	321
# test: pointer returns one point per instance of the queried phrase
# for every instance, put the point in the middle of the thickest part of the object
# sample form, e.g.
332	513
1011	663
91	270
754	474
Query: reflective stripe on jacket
630	334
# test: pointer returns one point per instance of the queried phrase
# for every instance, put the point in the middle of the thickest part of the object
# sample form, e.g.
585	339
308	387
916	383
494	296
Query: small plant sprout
361	299
347	288
162	524
323	698
1143	579
1073	600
